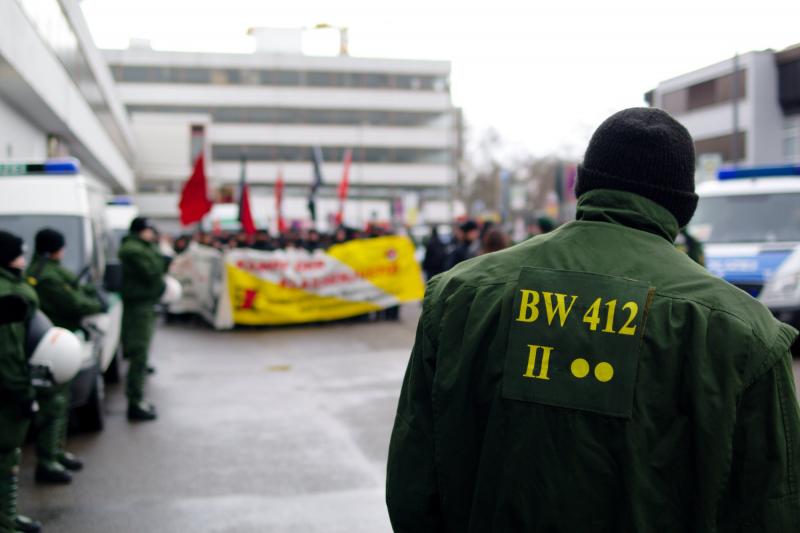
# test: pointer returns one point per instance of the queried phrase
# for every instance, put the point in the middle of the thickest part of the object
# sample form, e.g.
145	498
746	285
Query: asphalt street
260	430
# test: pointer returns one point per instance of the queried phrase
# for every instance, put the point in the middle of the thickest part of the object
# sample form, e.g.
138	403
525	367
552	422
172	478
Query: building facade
272	107
57	97
744	110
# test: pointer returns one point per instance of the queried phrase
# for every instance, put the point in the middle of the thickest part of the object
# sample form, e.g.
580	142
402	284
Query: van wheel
90	415
112	374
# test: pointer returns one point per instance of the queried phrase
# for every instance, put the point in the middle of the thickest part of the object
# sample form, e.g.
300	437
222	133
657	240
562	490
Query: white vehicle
56	194
119	213
749	222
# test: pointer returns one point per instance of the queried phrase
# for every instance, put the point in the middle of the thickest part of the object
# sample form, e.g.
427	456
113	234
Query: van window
748	218
26	226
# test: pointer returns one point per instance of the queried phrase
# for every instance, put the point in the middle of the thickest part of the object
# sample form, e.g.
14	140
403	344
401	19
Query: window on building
724	145
375	81
219	77
135	74
676	102
289	78
285	77
198	140
330	153
250	77
320	79
707	93
267	115
403	81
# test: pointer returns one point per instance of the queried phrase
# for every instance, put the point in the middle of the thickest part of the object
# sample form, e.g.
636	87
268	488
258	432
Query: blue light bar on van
120	200
758	172
53	166
62	166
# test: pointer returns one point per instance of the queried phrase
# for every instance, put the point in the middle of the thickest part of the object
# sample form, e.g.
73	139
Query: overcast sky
542	73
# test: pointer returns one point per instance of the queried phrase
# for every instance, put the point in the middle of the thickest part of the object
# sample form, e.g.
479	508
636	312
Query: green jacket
142	271
15	376
596	379
61	298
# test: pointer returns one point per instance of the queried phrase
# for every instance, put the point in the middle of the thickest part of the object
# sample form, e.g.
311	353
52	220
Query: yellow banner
295	286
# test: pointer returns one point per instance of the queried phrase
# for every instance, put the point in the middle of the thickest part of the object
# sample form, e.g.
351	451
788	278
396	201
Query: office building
743	110
271	107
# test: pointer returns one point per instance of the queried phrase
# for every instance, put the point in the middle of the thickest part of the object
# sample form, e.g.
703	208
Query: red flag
245	214
344	186
279	203
194	202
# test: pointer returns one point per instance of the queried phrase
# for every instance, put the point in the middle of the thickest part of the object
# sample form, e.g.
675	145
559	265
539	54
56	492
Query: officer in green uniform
66	303
17	400
596	379
142	286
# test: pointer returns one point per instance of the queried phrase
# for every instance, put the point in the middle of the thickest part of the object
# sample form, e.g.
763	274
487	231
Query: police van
56	194
749	222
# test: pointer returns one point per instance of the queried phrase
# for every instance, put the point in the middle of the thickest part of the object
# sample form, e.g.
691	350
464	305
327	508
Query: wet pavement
260	430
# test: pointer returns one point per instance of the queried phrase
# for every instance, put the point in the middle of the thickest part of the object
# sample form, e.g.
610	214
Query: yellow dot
580	368
604	372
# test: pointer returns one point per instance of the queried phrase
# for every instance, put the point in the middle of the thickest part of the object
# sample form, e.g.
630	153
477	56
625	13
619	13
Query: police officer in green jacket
66	303
596	379
142	286
17	400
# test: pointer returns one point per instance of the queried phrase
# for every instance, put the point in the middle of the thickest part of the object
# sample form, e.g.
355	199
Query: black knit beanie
11	247
139	224
49	241
644	151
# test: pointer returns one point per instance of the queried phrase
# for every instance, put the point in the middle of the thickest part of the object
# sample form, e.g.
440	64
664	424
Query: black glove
25	405
13	308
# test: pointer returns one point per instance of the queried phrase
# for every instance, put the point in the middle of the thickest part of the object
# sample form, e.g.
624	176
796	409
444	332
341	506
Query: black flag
316	158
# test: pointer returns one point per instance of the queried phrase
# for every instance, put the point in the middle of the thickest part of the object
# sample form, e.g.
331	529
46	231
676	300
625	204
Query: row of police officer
48	286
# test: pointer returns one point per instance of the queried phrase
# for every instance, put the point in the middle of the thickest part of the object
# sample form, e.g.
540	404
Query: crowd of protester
468	238
471	239
264	240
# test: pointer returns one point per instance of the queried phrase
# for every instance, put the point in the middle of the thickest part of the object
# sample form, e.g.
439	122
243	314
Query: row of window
265	115
330	153
711	92
289	78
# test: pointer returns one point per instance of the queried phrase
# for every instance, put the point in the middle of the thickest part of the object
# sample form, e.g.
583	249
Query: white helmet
172	291
56	348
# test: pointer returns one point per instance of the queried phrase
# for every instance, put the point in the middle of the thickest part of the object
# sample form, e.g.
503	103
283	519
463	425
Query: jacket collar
629	210
9	275
47	259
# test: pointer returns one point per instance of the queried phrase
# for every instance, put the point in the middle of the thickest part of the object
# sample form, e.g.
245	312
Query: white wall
717	120
35	80
295	97
164	142
275	61
353	136
19	139
411	175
